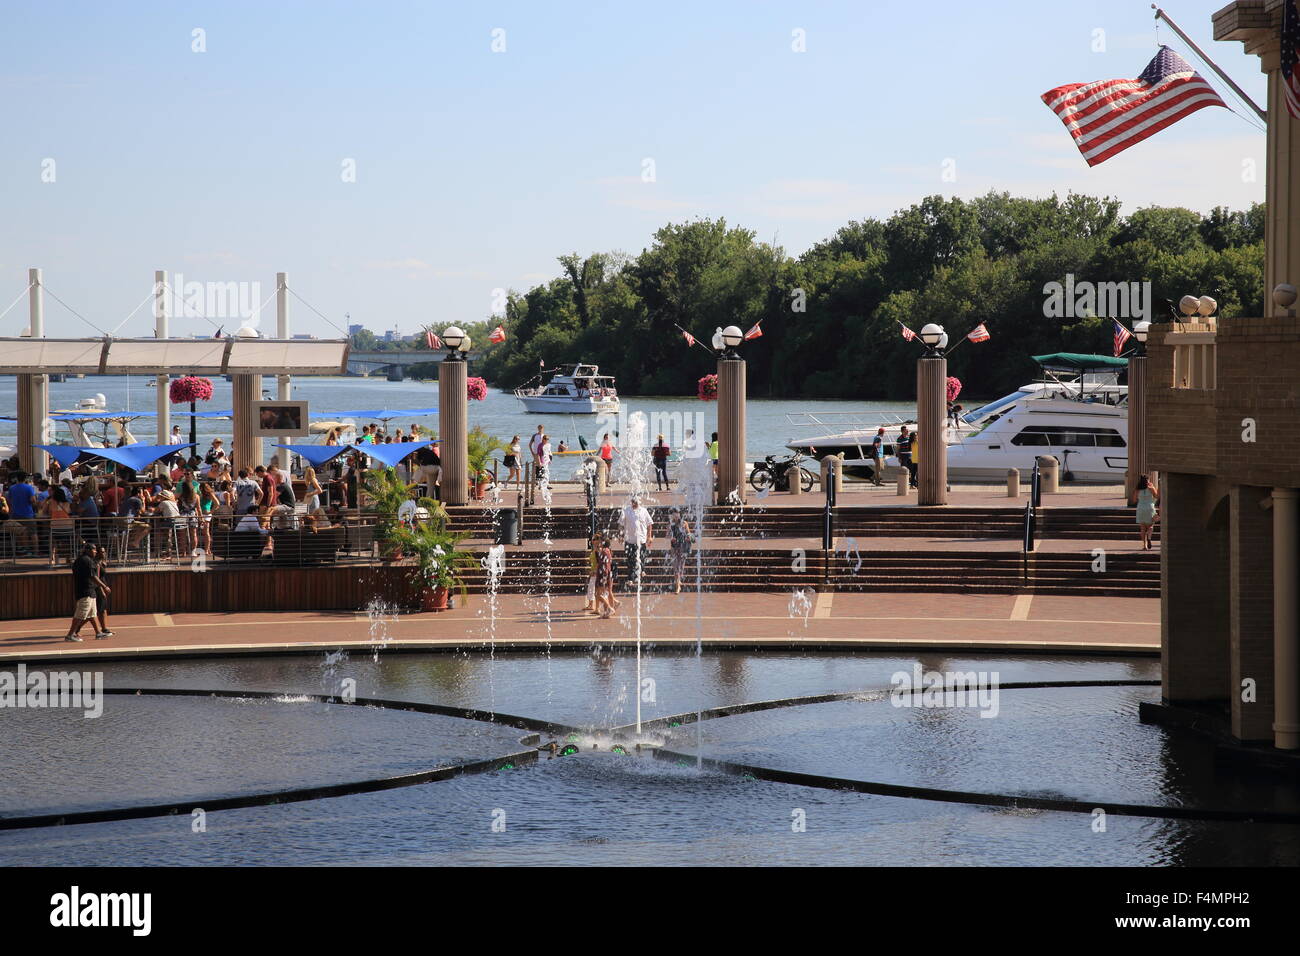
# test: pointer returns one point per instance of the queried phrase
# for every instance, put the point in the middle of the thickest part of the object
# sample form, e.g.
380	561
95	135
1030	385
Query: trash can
508	526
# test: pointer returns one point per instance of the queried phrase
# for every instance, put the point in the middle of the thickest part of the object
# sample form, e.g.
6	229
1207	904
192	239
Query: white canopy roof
228	356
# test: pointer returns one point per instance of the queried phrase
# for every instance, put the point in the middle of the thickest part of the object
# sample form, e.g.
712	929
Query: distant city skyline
410	161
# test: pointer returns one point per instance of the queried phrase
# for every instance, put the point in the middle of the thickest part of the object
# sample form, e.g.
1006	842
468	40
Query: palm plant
479	449
439	561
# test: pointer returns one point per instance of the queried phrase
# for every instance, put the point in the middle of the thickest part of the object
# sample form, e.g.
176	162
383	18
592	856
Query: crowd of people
637	532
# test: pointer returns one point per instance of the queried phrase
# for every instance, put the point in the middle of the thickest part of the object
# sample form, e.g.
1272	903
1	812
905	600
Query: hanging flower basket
707	388
190	388
954	388
476	388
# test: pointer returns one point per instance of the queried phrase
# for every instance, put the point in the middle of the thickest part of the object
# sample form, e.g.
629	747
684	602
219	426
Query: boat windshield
984	411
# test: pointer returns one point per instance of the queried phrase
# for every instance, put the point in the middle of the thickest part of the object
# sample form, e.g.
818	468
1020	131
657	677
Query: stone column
1250	604
1286	622
246	448
163	400
1137	425
453	430
33	390
931	418
731	428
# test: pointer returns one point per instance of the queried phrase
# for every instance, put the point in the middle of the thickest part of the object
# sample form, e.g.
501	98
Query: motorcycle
774	473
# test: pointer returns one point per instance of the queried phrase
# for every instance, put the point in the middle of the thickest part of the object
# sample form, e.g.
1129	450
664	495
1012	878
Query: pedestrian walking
877	456
606	603
660	453
85	585
1148	498
102	594
512	463
593	559
679	546
638	532
903	445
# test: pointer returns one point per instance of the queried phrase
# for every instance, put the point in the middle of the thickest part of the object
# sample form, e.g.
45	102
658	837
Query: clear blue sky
475	169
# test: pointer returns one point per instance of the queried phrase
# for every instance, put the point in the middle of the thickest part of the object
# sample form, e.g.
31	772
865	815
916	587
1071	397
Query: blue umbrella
138	457
316	455
385	414
66	455
390	455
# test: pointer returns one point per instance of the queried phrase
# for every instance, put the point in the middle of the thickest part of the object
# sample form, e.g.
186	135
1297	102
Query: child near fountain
605	580
593	560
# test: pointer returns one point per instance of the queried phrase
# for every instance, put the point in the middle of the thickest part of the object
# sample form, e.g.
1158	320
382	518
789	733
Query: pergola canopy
226	356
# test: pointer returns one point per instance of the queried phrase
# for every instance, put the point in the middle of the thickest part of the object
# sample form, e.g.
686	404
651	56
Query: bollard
826	469
602	476
794	479
1013	482
903	480
1050	472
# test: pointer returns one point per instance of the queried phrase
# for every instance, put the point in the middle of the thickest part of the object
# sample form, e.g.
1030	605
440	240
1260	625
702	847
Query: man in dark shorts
86	584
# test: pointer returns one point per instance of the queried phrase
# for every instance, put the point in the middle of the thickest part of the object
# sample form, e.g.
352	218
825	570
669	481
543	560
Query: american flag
498	334
1290	53
908	334
431	339
754	333
690	339
1109	116
979	334
1122	335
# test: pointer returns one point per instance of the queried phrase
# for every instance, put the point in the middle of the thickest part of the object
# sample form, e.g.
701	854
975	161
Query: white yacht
572	390
1077	414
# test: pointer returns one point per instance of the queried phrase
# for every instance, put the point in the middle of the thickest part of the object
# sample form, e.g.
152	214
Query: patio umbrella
139	457
390	455
315	455
67	455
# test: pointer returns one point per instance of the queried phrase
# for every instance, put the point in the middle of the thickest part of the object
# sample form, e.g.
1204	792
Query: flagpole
1161	15
694	340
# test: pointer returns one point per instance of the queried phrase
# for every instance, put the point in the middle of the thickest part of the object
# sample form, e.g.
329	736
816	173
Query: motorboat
575	389
1077	413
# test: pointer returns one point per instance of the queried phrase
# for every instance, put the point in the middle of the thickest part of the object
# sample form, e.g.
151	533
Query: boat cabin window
1061	436
999	405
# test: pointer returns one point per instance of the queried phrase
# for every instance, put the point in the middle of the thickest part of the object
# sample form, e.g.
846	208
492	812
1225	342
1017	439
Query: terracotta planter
433	599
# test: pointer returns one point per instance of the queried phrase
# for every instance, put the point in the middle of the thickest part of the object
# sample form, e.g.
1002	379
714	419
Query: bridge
395	363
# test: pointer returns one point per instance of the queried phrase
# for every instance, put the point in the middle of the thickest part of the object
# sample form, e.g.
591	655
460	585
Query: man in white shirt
175	437
535	444
638	532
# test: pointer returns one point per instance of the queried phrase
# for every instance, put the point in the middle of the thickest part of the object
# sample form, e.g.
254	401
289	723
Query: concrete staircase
564	571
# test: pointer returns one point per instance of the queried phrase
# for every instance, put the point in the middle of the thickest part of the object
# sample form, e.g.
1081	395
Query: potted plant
439	562
190	388
387	494
707	388
479	449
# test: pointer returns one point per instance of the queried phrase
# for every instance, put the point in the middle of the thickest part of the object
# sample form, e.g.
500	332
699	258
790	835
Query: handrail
1031	512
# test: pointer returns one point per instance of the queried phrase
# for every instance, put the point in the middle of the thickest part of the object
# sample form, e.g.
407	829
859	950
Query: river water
500	414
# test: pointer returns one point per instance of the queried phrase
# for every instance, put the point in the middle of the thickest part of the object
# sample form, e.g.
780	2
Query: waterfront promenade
939	622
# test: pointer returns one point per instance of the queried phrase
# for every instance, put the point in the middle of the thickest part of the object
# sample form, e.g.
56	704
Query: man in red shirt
111	497
270	487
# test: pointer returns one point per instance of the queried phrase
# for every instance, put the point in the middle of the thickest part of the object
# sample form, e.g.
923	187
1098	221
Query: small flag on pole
1290	54
431	339
979	334
1109	116
908	334
217	334
498	334
690	339
1122	335
754	333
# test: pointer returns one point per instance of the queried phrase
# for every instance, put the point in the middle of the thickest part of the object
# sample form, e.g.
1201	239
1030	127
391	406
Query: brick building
1223	432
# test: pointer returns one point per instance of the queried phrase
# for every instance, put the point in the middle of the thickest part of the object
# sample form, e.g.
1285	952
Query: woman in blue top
1147	499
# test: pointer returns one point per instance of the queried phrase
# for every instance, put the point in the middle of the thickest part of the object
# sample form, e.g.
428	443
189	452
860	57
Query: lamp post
731	413
33	389
932	417
1137	413
453	418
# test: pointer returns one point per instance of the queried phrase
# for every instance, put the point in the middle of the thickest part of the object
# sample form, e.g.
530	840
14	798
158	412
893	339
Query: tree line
831	317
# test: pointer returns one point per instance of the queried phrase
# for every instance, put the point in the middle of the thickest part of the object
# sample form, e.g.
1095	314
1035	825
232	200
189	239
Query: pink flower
476	388
954	388
707	388
190	388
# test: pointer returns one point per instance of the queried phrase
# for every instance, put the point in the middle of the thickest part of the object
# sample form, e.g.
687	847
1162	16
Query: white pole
160	331
33	390
284	391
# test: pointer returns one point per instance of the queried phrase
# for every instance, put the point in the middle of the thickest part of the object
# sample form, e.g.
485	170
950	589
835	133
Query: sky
404	162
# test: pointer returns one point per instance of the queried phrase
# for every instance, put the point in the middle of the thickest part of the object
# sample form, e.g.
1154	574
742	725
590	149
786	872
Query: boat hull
560	405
